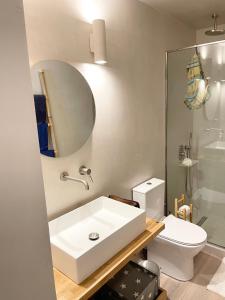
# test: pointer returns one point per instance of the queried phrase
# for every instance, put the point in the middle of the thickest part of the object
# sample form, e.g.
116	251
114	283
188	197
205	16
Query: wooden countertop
66	289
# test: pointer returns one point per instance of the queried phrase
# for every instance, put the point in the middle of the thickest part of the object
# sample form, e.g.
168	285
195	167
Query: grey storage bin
150	266
132	282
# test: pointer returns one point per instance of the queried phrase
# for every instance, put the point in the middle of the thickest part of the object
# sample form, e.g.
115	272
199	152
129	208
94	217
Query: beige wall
25	261
127	145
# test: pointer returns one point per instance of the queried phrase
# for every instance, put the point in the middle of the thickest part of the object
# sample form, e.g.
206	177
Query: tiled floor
205	267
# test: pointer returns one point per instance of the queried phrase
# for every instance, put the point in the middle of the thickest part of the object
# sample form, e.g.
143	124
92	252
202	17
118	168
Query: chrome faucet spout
64	176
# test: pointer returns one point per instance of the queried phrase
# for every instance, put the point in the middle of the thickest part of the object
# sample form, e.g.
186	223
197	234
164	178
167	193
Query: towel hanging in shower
197	86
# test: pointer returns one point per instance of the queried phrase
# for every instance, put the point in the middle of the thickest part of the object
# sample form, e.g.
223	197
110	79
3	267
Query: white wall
25	261
128	141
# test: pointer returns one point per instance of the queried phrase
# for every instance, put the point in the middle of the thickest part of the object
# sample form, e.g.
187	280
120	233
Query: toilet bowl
176	246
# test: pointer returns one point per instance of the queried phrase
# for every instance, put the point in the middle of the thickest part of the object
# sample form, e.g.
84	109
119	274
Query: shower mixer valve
181	153
184	151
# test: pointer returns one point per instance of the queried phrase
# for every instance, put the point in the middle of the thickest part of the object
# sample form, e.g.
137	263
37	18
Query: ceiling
196	13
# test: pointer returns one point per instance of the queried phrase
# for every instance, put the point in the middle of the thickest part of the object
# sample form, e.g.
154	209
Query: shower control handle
181	153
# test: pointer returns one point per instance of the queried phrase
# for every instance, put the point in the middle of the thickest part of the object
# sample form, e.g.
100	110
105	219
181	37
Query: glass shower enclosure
195	147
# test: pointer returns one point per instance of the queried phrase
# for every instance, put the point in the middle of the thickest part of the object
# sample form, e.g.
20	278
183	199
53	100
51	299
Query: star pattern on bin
135	294
138	280
123	286
132	281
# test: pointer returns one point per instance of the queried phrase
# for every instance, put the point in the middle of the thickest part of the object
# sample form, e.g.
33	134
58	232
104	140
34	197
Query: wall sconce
98	41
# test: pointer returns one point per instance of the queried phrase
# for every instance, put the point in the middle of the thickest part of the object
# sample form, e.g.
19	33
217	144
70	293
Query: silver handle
91	178
86	171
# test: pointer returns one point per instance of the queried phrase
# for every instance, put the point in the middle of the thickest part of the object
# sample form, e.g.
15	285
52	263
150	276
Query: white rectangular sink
75	254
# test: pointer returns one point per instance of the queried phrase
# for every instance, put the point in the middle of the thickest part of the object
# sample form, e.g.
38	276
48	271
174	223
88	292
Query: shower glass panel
197	135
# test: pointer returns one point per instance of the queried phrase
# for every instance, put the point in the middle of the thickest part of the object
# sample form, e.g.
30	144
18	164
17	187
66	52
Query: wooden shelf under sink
66	289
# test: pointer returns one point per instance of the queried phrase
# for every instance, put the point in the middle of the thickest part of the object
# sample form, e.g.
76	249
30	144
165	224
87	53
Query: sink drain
93	236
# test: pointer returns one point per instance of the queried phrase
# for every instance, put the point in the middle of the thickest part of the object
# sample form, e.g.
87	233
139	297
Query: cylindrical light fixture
98	41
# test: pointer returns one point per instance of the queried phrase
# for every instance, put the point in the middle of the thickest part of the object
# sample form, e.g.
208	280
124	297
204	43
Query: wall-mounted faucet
64	176
184	151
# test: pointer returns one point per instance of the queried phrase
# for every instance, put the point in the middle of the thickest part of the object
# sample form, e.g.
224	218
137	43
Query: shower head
215	31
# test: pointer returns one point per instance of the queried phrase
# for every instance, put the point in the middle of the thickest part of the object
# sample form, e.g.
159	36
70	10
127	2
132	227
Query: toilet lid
182	232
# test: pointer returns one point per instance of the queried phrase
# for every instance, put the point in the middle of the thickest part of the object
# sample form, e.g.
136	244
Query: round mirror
64	105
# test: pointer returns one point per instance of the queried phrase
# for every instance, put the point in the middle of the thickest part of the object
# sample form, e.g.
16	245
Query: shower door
197	135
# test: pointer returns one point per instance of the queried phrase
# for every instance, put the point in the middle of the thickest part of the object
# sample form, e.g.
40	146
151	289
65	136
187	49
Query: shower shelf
194	163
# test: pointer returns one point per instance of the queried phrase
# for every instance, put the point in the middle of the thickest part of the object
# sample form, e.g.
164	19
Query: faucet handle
91	178
85	171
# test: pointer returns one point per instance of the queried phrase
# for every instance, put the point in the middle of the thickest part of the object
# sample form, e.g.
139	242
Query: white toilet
176	246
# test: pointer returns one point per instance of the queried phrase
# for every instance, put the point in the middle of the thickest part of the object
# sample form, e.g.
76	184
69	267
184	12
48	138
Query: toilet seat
182	232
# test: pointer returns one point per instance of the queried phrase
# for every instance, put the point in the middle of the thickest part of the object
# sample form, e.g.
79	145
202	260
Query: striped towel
197	87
